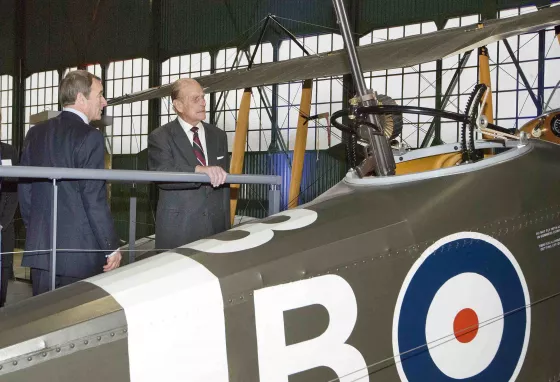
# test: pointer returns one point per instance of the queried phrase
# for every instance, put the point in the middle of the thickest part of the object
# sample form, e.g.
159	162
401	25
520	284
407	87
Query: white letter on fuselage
277	361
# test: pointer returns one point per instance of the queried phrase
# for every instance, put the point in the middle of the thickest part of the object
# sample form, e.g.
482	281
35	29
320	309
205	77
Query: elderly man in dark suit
8	205
84	220
190	211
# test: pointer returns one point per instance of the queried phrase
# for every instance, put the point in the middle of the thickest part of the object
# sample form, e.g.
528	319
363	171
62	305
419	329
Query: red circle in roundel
465	325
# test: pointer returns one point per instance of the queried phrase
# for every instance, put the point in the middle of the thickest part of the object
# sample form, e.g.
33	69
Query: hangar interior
136	45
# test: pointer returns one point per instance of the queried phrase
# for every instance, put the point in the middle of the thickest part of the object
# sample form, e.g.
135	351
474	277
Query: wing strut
239	143
301	142
486	108
241	131
484	78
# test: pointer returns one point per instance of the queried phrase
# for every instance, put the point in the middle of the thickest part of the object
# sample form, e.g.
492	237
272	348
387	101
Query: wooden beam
484	69
484	78
239	143
301	142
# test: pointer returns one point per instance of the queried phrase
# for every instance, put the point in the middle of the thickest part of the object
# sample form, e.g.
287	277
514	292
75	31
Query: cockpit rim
515	150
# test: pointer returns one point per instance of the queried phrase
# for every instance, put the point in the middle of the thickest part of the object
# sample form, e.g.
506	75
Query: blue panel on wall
320	172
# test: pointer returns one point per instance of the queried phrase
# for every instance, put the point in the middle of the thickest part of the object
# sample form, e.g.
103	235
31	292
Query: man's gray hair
75	82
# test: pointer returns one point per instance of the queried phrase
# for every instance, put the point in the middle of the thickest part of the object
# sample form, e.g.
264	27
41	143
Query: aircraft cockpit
481	143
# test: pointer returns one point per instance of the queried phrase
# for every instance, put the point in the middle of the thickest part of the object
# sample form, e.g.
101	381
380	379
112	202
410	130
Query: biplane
434	264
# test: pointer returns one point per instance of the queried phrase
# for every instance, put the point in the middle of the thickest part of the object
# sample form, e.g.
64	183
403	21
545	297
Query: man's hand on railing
113	261
216	174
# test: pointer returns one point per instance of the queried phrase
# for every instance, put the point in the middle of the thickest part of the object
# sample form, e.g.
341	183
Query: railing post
53	231
132	225
273	199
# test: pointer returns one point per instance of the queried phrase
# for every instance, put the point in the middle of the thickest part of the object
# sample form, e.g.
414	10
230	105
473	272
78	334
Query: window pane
41	94
6	98
130	121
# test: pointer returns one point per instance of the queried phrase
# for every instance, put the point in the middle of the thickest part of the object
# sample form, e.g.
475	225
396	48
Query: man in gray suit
190	211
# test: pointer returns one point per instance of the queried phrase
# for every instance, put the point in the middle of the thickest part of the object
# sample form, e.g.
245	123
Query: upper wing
398	53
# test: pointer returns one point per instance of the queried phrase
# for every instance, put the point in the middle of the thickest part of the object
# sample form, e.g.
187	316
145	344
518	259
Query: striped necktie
197	147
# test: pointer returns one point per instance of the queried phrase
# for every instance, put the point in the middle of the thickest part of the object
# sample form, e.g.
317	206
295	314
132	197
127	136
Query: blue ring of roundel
450	260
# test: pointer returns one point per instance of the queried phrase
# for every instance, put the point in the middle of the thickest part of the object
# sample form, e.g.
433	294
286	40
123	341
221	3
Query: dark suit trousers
41	281
6	274
8	241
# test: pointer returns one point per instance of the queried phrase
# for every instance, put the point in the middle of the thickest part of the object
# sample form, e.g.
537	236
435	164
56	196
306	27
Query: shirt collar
187	126
78	113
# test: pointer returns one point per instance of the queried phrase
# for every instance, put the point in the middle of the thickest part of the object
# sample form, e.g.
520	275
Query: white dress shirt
78	113
201	135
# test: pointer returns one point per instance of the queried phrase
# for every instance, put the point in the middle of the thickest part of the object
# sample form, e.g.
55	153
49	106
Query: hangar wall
60	34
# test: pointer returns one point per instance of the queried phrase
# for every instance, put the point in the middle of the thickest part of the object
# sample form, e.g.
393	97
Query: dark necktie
197	147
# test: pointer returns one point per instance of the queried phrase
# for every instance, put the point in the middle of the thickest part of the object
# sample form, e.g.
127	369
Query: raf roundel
463	312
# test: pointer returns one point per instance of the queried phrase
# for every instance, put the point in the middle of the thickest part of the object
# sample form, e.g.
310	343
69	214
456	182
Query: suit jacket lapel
183	143
211	146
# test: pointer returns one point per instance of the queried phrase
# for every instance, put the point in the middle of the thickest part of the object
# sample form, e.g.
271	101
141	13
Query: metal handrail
56	174
127	176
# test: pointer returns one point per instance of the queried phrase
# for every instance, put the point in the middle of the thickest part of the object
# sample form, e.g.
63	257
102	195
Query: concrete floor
19	289
20	272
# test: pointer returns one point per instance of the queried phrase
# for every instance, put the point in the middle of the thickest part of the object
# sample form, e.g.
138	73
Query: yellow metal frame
301	143
239	143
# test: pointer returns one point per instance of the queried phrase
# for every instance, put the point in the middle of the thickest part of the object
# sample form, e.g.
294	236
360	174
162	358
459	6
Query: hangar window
326	97
41	93
411	86
227	103
6	102
129	133
465	84
93	69
551	72
513	104
187	66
